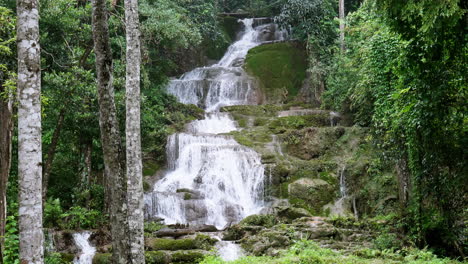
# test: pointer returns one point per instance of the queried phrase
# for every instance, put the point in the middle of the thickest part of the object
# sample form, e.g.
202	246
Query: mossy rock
282	124
199	242
187	257
311	143
172	244
288	213
253	110
157	257
102	258
314	192
259	220
264	241
280	67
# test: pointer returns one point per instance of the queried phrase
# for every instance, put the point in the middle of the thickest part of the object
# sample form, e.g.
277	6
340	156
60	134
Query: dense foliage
404	74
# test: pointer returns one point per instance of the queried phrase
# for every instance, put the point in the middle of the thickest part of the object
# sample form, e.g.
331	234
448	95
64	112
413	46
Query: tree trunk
29	133
86	173
342	25
51	154
6	132
110	135
133	135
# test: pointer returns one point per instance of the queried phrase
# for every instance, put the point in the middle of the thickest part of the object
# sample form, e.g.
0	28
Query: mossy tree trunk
110	135
6	132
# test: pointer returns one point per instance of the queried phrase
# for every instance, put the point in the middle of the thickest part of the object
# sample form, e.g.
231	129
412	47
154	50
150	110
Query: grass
307	252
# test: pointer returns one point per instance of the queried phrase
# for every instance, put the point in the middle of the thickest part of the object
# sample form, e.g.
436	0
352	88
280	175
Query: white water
87	251
229	251
211	178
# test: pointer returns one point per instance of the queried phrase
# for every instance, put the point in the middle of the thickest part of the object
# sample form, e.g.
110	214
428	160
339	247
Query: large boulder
314	192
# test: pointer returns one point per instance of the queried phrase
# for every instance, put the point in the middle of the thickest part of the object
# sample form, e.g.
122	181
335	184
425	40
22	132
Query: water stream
86	249
212	179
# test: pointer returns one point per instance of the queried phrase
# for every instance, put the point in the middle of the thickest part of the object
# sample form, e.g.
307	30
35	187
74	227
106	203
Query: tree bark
342	25
133	135
29	133
86	173
6	132
110	135
51	154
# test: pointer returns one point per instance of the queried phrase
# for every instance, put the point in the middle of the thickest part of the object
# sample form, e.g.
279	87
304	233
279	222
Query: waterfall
87	251
212	179
343	191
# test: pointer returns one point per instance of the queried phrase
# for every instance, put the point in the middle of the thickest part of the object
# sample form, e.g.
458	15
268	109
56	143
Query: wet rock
195	210
168	232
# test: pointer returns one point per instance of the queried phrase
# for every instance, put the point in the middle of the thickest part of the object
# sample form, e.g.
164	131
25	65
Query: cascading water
211	178
87	251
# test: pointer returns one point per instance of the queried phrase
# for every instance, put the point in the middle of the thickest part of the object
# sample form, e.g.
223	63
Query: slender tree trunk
110	135
6	132
342	24
51	154
29	133
86	173
133	135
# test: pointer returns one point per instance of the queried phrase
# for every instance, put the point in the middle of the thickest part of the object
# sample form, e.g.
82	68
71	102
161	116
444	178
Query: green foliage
387	241
7	52
81	218
151	227
55	258
74	218
52	213
11	250
255	8
404	74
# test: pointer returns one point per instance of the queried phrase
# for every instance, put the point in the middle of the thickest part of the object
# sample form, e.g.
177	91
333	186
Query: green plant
81	218
52	213
11	252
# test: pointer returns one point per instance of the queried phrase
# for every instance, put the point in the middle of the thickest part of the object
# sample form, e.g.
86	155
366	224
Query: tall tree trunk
29	133
6	132
110	135
51	154
133	135
342	24
86	173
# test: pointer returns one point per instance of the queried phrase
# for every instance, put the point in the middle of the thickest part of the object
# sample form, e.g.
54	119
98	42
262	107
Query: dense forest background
403	73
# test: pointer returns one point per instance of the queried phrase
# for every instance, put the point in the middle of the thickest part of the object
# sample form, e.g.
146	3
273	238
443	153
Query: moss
254	110
199	242
146	186
150	168
280	67
173	244
259	220
189	257
102	258
281	124
68	258
156	257
187	196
